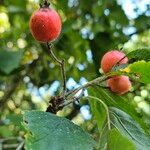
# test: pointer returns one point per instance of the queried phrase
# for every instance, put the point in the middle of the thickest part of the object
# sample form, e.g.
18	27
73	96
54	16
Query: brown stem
71	99
57	103
45	4
61	64
93	82
70	95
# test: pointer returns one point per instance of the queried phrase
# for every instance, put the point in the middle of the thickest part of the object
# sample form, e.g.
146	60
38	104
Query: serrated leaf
116	141
50	132
130	128
142	69
9	60
139	54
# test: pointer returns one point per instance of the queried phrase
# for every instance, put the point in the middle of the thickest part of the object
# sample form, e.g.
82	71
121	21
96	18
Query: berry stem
61	64
57	103
96	81
44	4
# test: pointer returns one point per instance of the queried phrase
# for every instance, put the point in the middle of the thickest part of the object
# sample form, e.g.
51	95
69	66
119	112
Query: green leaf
98	111
139	54
130	128
116	141
142	69
9	60
49	131
121	102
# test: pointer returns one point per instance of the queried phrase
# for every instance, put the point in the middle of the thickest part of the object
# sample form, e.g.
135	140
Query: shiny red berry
45	25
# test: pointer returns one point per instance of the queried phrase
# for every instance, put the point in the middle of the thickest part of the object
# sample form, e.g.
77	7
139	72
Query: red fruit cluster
118	84
45	25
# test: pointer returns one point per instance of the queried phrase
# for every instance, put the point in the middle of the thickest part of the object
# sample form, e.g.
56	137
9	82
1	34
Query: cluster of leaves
88	32
115	116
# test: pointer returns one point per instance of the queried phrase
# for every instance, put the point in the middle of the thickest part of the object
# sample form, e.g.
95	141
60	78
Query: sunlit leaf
142	70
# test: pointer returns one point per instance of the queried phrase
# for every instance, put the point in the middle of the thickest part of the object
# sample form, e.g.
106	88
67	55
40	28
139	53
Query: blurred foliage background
29	77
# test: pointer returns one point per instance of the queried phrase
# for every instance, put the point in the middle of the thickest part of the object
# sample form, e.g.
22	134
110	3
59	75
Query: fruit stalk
46	3
61	64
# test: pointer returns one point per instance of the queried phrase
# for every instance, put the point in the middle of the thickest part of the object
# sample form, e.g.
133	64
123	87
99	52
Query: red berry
119	84
111	58
45	25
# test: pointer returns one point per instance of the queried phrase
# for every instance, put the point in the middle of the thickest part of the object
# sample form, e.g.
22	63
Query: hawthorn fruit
111	58
45	24
119	84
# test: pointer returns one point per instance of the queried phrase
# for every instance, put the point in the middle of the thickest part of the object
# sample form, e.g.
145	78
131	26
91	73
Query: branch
45	4
58	102
61	64
96	81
